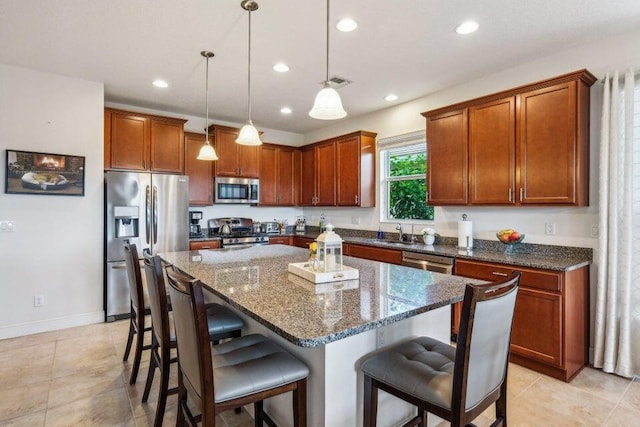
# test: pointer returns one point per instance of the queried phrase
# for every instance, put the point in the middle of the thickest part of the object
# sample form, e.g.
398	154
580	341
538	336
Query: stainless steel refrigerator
150	210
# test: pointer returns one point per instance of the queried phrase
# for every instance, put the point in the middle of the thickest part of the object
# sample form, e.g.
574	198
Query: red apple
514	237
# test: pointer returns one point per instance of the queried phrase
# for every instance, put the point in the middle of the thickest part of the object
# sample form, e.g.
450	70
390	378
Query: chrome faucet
399	228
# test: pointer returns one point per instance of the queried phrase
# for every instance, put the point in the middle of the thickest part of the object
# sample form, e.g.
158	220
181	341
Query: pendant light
327	105
207	152
249	134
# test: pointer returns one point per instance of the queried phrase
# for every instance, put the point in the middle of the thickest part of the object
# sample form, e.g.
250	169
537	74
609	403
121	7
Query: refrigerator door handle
148	214
155	215
119	266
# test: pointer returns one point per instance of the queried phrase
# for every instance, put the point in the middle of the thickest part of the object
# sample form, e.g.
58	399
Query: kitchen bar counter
255	281
333	327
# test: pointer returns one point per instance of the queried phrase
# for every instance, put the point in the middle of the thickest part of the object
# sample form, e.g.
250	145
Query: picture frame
31	172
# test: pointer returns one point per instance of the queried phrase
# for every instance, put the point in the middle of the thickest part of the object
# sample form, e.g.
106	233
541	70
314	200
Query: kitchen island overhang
332	328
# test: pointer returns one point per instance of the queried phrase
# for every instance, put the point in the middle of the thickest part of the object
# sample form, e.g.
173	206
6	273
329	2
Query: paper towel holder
467	240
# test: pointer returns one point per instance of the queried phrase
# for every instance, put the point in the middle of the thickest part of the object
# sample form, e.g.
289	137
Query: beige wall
57	248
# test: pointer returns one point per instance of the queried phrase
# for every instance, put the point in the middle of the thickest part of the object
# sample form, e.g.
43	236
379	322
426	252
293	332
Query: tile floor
76	377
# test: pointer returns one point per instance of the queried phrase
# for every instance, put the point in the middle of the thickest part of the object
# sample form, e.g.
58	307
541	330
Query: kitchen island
331	327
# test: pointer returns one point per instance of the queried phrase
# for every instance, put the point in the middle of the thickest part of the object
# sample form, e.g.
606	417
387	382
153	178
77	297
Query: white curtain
617	323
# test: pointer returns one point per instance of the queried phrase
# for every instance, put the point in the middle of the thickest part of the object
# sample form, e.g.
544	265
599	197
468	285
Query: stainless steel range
236	231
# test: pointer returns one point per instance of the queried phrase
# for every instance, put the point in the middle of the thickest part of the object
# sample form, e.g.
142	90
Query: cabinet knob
497	273
510	194
356	199
521	193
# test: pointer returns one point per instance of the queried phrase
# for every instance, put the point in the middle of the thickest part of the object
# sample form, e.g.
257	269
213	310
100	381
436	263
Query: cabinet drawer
278	240
538	279
206	244
376	254
302	242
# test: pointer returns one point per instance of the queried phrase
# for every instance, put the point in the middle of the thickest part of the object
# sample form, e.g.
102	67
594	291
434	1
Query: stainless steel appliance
270	227
437	263
150	210
237	190
236	231
194	224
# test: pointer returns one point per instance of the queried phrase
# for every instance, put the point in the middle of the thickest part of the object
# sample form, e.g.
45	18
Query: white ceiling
406	47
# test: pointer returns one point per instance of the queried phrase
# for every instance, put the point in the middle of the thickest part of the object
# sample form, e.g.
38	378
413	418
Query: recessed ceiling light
285	110
391	97
467	27
281	67
160	83
346	25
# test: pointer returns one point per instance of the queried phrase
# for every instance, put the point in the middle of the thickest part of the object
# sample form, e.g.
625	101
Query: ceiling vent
336	82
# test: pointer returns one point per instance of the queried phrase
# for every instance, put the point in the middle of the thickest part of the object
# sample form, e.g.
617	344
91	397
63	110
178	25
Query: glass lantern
329	251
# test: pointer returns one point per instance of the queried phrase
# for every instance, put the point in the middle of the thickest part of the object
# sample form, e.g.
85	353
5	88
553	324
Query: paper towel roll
465	234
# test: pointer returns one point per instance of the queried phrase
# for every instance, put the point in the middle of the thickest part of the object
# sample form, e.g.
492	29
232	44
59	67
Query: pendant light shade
207	152
328	105
249	134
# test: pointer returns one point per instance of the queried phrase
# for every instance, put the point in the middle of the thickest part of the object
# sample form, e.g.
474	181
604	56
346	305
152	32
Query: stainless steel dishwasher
437	263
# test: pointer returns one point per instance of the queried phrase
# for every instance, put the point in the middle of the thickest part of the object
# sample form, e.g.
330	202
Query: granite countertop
255	281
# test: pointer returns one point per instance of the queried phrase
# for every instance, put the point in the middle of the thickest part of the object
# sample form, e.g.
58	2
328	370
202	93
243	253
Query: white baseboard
21	329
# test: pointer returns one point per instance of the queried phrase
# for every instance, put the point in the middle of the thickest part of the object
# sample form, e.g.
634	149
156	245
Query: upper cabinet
234	159
339	171
356	164
200	172
524	146
142	142
277	175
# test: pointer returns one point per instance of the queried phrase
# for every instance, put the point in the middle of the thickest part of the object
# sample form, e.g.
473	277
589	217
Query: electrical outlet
355	220
38	300
550	228
8	225
595	230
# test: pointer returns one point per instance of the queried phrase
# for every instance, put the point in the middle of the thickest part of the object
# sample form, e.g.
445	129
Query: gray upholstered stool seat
221	320
251	364
422	367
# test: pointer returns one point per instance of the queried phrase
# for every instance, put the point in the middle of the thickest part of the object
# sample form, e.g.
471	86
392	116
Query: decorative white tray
302	269
323	288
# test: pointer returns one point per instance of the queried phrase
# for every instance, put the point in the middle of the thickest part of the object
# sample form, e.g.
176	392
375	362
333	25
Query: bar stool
222	323
456	384
216	378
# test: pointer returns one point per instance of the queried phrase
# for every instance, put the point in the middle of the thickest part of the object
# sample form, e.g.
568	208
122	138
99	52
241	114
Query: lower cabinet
301	242
204	244
550	328
373	253
279	240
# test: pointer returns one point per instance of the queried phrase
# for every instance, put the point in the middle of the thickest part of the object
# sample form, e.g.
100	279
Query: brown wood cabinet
204	244
318	174
550	327
279	240
447	154
390	256
233	159
301	242
200	172
142	142
356	164
526	146
277	175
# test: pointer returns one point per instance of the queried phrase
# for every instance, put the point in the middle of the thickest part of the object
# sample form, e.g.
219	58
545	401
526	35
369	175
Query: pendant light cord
249	73
206	97
327	79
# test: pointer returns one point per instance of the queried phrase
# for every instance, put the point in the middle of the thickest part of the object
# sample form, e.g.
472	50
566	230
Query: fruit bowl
510	238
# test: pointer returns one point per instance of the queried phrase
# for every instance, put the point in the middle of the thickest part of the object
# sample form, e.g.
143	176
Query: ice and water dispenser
127	219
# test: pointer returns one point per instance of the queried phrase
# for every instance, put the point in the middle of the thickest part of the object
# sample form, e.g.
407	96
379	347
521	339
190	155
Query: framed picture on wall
29	172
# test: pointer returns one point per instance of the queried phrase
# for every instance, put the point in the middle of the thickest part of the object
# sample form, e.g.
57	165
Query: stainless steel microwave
237	190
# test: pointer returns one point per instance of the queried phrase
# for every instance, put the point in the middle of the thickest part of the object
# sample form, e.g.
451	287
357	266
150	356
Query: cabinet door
326	174
536	331
302	242
447	158
227	151
204	244
167	146
200	172
279	240
492	159
547	145
129	141
348	171
307	176
248	160
268	175
286	177
376	254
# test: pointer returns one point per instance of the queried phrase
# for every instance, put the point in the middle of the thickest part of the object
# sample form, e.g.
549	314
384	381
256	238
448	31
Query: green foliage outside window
407	197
